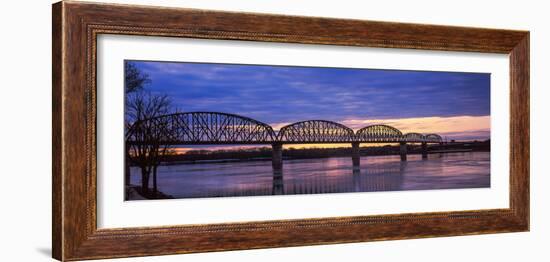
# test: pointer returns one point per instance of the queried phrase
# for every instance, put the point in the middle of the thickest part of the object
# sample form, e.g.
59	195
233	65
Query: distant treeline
305	153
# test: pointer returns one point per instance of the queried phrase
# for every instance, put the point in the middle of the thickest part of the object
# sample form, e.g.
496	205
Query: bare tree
134	78
149	130
134	81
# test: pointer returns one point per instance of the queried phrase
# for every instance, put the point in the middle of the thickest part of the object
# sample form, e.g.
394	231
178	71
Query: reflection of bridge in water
371	179
358	180
213	128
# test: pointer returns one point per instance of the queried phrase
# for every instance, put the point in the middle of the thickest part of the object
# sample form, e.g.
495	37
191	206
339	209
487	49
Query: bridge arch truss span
316	131
378	133
413	137
433	138
205	128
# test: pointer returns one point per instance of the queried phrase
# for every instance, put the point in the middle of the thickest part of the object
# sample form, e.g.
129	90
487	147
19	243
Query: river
324	175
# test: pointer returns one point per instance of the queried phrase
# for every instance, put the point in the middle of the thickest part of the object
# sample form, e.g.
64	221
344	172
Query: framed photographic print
182	130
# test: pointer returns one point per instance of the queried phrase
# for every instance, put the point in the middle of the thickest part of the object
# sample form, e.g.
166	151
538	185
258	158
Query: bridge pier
277	157
355	155
424	150
403	151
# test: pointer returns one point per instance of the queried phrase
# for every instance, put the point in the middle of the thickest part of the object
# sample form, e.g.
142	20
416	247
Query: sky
455	105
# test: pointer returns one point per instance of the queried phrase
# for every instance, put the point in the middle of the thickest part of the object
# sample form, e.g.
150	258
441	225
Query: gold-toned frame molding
76	26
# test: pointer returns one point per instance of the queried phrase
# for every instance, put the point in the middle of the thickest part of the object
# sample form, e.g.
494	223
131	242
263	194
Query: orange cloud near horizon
425	125
455	127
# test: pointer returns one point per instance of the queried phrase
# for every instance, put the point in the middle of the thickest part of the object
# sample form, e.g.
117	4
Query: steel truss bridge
212	128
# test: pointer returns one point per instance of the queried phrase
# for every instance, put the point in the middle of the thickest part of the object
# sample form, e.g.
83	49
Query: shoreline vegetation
264	153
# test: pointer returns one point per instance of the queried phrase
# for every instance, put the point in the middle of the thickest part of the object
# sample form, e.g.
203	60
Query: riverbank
265	153
134	192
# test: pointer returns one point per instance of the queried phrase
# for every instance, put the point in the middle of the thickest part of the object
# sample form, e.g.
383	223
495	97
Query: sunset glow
258	130
454	105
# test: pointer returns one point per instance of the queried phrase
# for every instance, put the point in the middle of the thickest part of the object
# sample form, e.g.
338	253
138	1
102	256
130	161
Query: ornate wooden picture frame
76	26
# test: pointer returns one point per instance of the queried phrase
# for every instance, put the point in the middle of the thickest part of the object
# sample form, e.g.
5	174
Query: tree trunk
127	165
145	181
155	190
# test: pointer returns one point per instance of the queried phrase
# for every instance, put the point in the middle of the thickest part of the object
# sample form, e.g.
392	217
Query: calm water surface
326	175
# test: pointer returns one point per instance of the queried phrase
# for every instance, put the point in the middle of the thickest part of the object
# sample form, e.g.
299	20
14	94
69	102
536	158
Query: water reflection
328	175
372	178
278	183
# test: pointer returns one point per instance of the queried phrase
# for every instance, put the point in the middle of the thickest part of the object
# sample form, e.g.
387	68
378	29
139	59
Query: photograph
203	130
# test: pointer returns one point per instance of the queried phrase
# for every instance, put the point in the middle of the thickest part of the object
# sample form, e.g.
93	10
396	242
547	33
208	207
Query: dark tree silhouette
141	109
134	79
141	105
